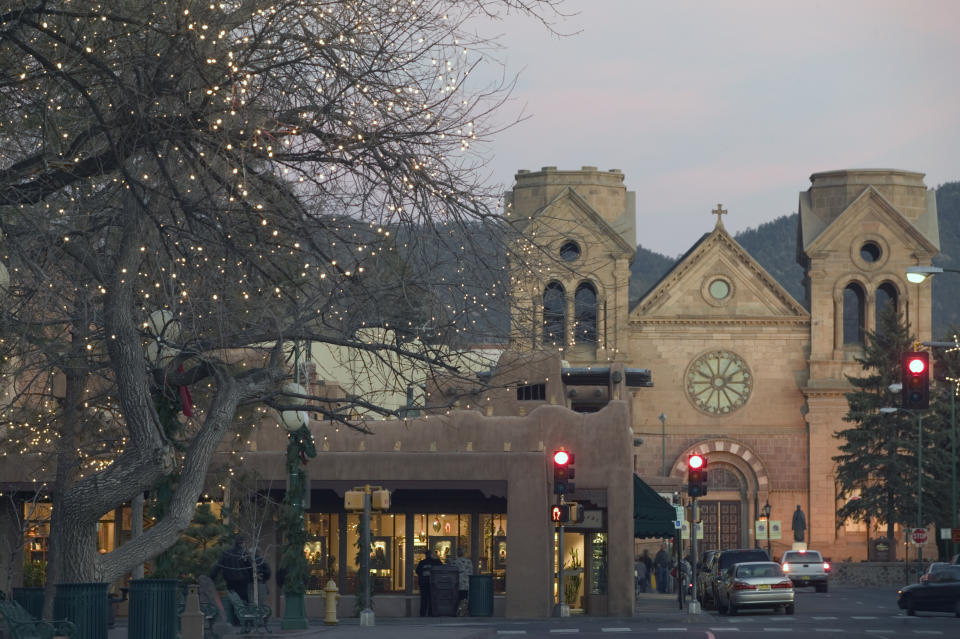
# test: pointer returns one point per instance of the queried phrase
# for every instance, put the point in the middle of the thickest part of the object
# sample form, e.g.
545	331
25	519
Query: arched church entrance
721	511
738	482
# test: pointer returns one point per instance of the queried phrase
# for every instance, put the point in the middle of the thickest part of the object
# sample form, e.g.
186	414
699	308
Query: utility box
353	500
444	591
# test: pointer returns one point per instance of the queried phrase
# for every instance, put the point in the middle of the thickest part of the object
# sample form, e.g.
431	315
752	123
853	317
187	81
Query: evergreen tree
877	467
945	405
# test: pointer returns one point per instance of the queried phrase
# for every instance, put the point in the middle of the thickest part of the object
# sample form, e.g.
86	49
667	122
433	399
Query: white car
806	568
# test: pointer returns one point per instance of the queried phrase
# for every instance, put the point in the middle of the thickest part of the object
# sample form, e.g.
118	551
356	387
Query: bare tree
186	187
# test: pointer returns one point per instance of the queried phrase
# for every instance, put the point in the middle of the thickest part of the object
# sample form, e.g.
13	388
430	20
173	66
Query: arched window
853	314
554	315
886	296
585	311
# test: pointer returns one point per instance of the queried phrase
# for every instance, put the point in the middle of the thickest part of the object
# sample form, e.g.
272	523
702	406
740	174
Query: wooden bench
24	626
251	616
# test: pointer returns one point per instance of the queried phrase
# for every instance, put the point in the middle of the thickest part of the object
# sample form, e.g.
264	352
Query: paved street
843	612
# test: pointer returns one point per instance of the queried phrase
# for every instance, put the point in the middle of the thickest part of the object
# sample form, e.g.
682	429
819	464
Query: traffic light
560	514
562	472
696	475
915	371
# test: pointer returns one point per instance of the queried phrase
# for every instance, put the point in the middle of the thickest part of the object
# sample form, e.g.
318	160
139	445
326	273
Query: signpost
918	536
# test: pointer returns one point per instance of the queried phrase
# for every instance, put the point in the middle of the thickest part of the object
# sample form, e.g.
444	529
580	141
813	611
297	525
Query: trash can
31	599
153	609
481	596
85	605
444	591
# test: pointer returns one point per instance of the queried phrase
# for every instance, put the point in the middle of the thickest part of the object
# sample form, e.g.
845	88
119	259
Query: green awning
653	516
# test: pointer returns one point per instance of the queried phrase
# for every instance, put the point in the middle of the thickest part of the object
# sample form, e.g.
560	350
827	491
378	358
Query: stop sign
918	536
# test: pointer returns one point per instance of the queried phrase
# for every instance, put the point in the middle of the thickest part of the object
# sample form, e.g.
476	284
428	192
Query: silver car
755	584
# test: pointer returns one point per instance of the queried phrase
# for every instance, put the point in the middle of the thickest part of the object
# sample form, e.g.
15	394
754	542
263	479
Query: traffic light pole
694	608
919	489
561	609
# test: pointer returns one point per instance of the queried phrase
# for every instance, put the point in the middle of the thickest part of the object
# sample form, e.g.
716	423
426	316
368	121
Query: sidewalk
650	606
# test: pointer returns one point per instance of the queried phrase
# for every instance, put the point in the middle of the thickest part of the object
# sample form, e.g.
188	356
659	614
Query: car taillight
826	567
742	585
786	567
784	584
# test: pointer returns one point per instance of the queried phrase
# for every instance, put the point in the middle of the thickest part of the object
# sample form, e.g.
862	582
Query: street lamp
918	274
300	446
766	513
896	388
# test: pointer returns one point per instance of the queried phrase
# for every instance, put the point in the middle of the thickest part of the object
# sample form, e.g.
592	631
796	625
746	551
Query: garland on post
293	563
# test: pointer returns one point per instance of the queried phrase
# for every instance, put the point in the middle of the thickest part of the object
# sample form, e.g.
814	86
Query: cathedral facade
742	372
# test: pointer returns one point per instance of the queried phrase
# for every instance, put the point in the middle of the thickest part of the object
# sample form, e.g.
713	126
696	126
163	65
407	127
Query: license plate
806	577
763	587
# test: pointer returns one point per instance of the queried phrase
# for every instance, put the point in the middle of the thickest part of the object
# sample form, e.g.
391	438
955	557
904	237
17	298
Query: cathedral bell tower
574	239
859	230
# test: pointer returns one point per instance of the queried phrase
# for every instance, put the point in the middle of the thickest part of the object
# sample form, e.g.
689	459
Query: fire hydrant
331	596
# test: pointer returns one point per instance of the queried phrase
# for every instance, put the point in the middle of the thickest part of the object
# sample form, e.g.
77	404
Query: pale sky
733	101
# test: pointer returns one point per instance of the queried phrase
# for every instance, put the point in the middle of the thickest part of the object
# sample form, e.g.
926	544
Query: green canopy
653	516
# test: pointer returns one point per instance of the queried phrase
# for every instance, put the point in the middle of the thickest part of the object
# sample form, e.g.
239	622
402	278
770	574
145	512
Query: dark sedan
939	593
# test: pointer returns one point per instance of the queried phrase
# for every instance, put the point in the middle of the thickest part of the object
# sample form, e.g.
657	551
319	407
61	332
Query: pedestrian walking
640	576
648	562
661	566
464	569
234	564
423	570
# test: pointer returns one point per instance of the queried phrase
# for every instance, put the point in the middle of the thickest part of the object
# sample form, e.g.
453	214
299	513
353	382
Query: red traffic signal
562	472
696	475
915	376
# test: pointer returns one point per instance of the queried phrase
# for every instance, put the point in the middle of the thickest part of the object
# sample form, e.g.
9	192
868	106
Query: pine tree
876	471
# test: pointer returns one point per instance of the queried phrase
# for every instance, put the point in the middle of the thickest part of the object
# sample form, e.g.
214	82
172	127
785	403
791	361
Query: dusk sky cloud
731	101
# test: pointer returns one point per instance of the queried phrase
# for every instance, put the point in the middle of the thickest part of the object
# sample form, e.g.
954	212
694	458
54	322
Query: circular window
719	289
569	251
870	252
718	382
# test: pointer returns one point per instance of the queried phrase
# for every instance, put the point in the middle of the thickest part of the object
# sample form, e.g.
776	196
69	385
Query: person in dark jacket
424	568
234	565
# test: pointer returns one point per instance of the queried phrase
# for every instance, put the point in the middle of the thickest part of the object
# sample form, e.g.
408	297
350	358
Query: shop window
585	312
321	549
853	314
554	315
493	549
532	392
387	552
106	533
598	564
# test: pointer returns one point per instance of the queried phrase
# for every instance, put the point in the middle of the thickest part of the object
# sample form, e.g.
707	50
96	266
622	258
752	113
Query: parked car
755	584
703	574
936	566
939	593
806	568
721	562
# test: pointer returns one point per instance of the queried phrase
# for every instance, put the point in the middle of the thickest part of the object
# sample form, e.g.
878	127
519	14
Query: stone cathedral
742	371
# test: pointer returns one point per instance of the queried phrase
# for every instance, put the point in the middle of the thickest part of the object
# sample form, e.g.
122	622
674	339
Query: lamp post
766	513
896	388
918	274
300	446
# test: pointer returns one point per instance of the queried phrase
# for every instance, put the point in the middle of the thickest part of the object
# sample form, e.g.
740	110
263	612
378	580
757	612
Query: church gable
569	216
718	280
870	215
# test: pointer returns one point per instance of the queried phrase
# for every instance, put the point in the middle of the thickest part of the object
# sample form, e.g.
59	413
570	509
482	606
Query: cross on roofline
719	212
